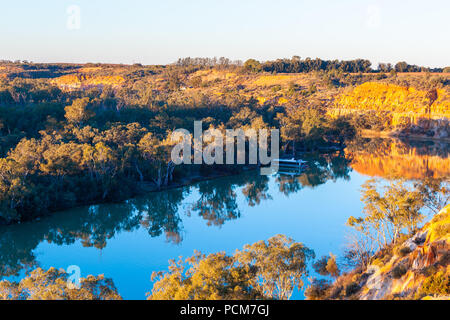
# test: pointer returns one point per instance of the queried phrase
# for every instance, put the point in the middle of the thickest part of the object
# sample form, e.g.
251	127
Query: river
128	241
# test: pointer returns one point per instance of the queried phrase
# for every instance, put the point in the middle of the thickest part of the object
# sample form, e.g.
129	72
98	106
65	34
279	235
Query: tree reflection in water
161	213
322	168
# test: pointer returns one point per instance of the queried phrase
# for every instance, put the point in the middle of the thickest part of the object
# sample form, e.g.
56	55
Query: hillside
400	109
416	268
400	100
408	104
87	80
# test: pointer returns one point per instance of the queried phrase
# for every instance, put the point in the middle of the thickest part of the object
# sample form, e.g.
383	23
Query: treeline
293	65
405	67
298	65
208	62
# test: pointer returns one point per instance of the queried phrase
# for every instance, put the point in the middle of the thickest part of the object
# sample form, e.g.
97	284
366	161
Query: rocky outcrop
400	110
85	81
399	100
418	268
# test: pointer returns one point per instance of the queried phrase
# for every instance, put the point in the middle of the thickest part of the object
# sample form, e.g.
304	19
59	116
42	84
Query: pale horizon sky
160	32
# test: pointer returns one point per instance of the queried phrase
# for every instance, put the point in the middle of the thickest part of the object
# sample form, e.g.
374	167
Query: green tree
332	266
264	270
327	265
200	277
435	193
280	265
387	215
320	266
53	285
78	112
252	65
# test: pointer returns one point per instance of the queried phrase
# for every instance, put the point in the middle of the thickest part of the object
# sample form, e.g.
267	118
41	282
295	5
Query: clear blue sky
158	32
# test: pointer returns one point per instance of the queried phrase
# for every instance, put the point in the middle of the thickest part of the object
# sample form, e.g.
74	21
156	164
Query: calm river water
130	240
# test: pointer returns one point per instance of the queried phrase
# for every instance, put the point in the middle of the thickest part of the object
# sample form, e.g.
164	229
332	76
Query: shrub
398	271
402	251
437	284
336	292
351	289
442	230
378	262
318	289
276	88
428	271
320	266
332	266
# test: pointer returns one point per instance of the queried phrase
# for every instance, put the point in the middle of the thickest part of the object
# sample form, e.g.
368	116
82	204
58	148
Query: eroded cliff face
418	268
405	110
401	101
87	80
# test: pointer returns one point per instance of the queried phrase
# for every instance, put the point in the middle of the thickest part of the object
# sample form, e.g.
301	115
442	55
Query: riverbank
397	135
416	267
147	187
188	177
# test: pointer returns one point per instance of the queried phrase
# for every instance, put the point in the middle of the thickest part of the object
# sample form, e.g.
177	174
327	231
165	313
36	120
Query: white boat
289	163
290	171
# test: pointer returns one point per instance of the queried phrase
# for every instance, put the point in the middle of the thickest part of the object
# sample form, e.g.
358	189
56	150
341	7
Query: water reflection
321	168
161	214
93	226
395	158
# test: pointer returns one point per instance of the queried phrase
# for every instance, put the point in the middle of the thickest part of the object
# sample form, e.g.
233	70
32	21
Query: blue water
128	253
